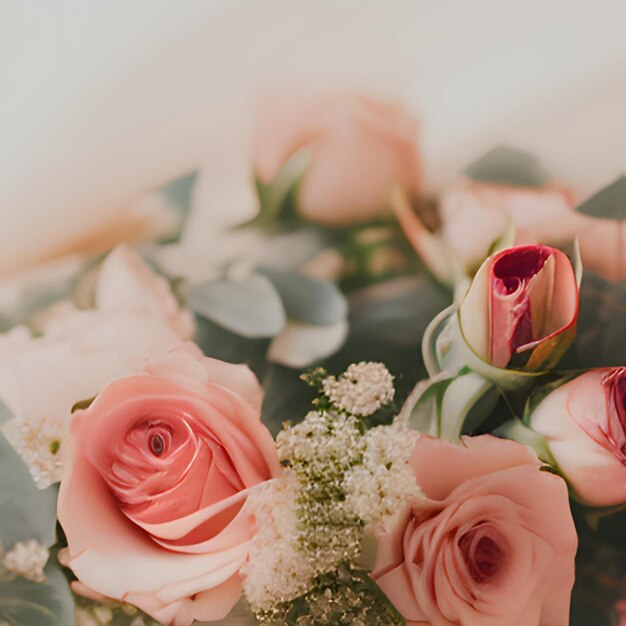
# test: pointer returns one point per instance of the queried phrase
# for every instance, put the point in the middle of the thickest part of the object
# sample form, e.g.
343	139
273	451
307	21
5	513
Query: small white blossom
84	618
39	445
362	389
319	438
276	569
27	559
381	485
103	614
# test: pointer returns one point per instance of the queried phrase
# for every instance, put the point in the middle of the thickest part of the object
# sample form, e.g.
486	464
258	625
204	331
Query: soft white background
100	100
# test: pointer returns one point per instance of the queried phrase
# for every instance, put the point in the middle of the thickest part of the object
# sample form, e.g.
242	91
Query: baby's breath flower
27	559
362	389
379	486
103	614
276	570
39	445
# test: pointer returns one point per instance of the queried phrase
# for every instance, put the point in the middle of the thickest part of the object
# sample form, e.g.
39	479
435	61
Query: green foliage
81	405
346	597
509	166
306	299
250	307
24	603
25	511
601	336
608	203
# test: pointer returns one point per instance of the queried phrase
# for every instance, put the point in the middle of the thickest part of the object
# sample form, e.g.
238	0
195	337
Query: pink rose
152	500
584	424
474	215
134	318
358	147
521	308
492	544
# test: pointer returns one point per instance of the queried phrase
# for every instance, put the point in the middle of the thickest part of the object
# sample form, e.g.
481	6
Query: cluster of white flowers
27	559
39	445
362	389
321	437
381	484
341	481
276	570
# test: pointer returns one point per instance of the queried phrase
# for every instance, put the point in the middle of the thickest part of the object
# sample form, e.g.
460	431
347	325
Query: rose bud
584	424
153	496
359	148
491	544
521	309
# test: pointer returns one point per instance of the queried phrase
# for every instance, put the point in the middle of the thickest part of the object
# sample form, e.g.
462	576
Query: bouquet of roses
366	404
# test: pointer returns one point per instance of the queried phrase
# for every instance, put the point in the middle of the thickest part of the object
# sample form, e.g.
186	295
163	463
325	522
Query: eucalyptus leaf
306	299
608	203
287	397
387	322
303	345
178	195
506	165
25	511
601	335
24	603
250	307
217	342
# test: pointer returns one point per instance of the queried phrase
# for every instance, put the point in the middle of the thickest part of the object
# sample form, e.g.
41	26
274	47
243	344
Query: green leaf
340	598
601	335
26	512
508	166
287	397
278	197
217	342
608	203
82	404
178	195
250	307
306	299
387	322
24	603
516	431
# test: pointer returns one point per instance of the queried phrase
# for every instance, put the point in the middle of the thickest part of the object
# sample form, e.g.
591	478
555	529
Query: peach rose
134	318
521	308
358	147
492	544
584	424
474	215
152	500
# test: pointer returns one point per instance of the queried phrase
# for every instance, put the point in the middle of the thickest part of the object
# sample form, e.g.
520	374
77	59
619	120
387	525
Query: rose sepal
516	430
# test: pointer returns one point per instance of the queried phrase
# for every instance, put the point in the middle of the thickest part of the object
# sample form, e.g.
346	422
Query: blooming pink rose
152	500
584	424
358	147
521	308
491	544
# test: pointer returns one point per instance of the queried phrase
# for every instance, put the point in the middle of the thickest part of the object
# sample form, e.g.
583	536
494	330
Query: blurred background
101	101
